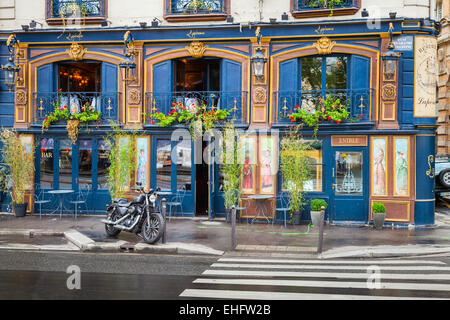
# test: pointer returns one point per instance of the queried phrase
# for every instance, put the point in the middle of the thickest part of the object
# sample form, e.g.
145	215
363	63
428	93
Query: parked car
442	176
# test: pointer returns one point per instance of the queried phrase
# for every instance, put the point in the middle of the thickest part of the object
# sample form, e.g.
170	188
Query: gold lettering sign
349	141
46	155
425	77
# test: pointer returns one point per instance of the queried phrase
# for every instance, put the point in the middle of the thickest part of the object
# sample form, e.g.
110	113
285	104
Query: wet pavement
217	234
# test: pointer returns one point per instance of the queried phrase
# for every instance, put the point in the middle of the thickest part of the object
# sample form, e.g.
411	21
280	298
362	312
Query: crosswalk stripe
261	295
327	284
377	262
276	266
255	273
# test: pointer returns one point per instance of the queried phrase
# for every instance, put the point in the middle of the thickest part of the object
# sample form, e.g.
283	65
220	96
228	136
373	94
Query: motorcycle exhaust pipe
127	228
115	222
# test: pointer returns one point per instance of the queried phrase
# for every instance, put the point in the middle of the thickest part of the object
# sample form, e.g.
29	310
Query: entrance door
350	184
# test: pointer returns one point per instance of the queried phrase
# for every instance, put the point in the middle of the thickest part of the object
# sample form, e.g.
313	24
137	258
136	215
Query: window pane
85	164
336	72
103	163
315	181
163	164
65	164
311	73
184	165
46	166
349	172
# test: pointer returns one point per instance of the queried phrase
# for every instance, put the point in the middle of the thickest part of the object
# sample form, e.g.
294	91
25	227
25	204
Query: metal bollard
163	209
233	228
322	217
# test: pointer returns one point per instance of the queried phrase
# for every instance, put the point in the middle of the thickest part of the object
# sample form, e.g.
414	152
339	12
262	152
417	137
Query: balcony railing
234	102
75	9
357	101
106	102
195	7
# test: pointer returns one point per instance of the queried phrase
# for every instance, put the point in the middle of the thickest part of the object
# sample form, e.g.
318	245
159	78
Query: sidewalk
201	236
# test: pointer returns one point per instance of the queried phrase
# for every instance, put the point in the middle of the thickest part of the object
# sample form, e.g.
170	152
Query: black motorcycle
138	216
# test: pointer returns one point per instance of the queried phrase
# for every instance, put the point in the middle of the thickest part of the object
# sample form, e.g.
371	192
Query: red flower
50	117
57	90
291	117
361	115
67	149
292	121
65	107
42	149
152	122
338	121
46	119
296	106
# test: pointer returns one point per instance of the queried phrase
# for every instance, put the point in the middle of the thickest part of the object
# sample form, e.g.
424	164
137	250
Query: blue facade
291	49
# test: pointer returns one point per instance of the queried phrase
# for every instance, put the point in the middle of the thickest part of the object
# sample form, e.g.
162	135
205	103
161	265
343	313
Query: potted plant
316	205
18	168
294	167
378	214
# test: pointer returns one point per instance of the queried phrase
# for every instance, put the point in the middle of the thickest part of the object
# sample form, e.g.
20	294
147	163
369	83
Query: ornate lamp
390	59
11	69
258	63
128	65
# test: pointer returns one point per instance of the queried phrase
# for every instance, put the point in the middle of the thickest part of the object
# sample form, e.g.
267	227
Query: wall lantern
11	69
258	60
128	65
390	58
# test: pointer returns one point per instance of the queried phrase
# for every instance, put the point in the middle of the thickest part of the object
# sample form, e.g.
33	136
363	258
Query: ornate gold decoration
134	96
197	49
76	51
21	97
430	172
388	91
260	95
324	45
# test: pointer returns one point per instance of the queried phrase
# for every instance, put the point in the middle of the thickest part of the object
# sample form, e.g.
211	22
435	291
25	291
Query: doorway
201	186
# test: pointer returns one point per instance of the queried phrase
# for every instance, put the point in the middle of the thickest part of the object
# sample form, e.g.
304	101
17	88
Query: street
45	275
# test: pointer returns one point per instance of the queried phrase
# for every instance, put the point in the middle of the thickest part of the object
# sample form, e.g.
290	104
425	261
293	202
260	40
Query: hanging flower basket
87	115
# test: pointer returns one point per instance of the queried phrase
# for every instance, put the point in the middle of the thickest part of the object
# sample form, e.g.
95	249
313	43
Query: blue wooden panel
110	88
289	83
231	84
163	85
359	84
45	78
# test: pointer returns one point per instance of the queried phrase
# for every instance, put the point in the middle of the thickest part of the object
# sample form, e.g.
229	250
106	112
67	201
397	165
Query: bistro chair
177	201
234	193
81	199
39	199
285	208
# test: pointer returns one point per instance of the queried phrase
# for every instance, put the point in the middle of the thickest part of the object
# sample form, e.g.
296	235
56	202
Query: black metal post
163	209
233	228
322	217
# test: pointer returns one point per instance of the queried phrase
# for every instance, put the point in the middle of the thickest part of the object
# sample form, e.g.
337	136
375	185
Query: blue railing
189	7
307	5
106	102
357	101
234	102
75	8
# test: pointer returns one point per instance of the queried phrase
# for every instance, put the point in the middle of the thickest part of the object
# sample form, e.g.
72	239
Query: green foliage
378	208
19	165
294	167
231	167
317	204
329	109
122	160
198	118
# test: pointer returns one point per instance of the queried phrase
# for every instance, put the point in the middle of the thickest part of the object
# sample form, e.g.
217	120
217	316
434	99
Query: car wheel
444	178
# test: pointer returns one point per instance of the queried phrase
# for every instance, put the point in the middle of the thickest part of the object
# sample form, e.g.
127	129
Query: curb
79	239
382	252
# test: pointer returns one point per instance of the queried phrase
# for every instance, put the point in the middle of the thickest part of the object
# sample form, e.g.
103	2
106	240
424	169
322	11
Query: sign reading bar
425	77
349	141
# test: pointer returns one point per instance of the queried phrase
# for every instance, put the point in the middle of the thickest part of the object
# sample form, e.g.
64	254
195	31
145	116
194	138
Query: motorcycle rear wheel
153	232
110	230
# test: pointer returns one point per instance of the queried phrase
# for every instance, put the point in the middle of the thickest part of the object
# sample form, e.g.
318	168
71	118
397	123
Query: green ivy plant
294	167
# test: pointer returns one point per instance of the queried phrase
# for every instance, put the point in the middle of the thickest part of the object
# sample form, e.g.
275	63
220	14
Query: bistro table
60	193
260	201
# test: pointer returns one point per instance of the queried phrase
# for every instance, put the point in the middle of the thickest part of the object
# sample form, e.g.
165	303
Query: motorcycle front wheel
153	232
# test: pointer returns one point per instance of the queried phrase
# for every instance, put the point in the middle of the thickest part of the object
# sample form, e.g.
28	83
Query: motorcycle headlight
152	198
